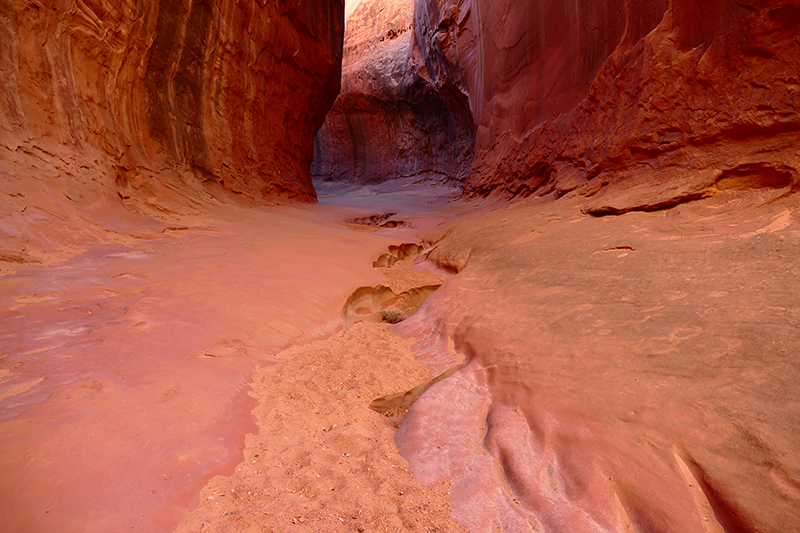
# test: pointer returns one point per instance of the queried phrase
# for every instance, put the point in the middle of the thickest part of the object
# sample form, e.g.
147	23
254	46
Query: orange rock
228	94
654	90
392	120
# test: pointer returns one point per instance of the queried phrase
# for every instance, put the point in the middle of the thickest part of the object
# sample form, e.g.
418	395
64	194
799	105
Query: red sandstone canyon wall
654	94
225	96
391	120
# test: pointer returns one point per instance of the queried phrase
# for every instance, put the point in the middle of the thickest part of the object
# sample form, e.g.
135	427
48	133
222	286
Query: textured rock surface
224	93
625	373
630	331
391	120
645	93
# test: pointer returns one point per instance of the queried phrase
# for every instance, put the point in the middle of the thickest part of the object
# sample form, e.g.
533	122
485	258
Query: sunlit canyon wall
392	119
573	95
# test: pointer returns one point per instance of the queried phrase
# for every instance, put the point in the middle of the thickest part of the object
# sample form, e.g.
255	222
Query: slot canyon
400	265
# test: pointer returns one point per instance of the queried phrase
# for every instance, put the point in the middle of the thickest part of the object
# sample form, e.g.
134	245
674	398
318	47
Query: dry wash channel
322	460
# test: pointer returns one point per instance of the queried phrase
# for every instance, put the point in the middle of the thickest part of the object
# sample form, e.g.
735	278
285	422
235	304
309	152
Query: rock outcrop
145	92
657	95
391	119
629	373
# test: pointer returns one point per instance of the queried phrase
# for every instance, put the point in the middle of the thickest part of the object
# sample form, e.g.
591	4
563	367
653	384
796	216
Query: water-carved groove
408	250
406	398
380	220
381	304
769	178
668	203
715	512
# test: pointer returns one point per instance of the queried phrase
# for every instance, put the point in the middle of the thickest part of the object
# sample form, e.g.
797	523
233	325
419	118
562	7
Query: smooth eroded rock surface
632	372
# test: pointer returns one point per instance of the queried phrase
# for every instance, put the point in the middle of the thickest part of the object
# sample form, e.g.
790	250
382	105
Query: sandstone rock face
628	94
228	94
625	373
391	119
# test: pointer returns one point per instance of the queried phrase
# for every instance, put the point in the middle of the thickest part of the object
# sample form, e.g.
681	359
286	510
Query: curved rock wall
641	93
390	120
225	93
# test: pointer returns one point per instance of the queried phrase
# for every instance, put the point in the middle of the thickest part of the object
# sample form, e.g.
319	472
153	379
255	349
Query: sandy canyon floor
627	372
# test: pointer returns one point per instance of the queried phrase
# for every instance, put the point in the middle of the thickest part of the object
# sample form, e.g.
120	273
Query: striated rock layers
392	119
227	94
667	97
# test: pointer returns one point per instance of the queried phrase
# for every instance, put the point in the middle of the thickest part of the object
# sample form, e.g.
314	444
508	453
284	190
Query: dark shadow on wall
368	139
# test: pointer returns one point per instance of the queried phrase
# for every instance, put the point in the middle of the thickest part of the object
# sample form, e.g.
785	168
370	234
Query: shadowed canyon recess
399	265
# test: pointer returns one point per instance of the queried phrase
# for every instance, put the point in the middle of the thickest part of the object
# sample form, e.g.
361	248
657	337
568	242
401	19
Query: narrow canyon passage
401	265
